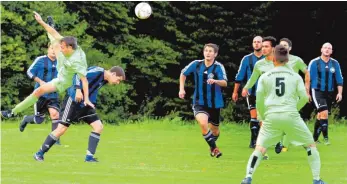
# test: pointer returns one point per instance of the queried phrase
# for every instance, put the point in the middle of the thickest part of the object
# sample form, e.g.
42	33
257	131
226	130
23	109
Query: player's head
257	42
327	49
286	43
268	45
281	54
50	51
68	45
115	75
210	51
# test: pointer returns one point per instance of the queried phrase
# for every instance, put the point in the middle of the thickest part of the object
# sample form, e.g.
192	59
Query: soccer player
325	75
298	65
245	70
280	95
210	77
74	110
71	60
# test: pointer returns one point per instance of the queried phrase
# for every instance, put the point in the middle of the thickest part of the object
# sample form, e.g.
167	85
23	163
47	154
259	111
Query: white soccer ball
143	10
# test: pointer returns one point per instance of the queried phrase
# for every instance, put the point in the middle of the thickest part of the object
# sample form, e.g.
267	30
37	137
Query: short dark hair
288	41
270	39
70	41
281	53
119	71
214	46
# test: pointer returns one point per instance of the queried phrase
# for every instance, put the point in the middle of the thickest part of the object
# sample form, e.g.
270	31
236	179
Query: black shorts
73	112
212	113
322	100
251	102
42	105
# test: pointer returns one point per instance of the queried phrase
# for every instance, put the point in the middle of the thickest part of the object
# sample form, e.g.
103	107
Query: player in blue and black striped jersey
74	110
243	74
325	75
210	77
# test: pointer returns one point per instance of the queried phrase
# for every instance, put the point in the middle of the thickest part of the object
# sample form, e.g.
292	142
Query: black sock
94	139
317	130
209	139
324	126
29	119
215	137
49	142
254	127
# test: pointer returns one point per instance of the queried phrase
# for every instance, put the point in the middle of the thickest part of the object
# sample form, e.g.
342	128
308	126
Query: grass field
158	152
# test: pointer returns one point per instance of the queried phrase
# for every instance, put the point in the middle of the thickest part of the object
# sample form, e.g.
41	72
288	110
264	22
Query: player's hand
235	96
338	97
42	83
79	95
181	94
244	92
38	17
89	103
211	81
309	98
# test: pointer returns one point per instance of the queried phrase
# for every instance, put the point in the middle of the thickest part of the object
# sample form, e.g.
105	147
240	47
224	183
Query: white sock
253	162
314	161
89	153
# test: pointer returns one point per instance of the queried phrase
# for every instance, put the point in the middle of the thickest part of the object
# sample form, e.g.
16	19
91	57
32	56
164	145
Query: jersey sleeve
34	68
221	74
80	65
301	92
339	77
54	40
301	65
260	100
241	73
312	68
254	77
189	68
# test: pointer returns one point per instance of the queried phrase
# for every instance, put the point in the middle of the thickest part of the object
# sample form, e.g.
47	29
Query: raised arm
51	31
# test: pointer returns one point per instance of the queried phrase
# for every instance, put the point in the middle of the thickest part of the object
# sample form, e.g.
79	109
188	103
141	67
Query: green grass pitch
159	152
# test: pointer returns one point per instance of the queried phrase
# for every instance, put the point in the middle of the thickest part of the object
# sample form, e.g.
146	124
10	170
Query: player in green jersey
71	60
280	95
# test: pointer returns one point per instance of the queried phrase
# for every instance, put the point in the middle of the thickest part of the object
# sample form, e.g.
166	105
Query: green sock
29	101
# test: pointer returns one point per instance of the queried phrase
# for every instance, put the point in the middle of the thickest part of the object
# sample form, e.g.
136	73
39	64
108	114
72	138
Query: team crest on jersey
332	70
210	76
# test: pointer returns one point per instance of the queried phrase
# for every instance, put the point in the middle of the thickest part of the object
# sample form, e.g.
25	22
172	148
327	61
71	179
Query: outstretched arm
48	28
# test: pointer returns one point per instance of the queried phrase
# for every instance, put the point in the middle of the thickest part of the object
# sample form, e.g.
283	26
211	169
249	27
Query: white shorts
276	125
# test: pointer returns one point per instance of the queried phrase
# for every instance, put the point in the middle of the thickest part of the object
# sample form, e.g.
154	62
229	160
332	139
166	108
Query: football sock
94	139
253	162
314	161
49	142
210	140
29	101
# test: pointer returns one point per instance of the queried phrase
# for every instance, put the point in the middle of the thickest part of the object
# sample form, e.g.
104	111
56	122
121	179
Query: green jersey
280	90
260	67
297	63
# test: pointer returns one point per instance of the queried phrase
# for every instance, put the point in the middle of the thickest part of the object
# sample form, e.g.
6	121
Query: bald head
257	41
327	49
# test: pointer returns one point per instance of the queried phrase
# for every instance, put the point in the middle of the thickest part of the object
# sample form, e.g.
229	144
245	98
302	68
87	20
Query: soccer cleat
326	141
317	142
7	114
50	21
284	149
266	157
247	180
90	158
318	182
38	156
278	148
216	153
58	142
23	124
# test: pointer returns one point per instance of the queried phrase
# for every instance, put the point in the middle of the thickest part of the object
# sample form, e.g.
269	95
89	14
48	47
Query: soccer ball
143	10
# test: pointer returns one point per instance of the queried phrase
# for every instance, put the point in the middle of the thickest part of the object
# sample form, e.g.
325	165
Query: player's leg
69	112
201	116
39	114
269	134
53	109
321	105
254	123
214	121
89	116
324	125
30	100
299	134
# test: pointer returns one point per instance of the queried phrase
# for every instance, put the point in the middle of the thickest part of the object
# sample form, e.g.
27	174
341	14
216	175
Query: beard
257	50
